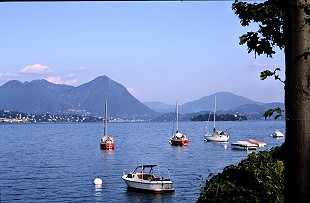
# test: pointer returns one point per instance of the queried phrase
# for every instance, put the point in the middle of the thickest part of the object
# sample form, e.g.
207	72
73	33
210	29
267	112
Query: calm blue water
58	162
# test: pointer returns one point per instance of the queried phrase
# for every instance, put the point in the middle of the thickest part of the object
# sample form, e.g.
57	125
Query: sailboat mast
214	113
177	119
106	118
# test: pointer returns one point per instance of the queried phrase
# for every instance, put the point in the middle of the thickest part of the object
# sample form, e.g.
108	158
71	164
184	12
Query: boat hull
277	134
157	186
216	138
178	142
259	144
244	145
108	146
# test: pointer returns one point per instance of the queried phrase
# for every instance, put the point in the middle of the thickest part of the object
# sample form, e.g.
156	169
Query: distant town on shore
7	116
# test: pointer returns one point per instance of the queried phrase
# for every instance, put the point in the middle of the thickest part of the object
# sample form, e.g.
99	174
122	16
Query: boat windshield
144	169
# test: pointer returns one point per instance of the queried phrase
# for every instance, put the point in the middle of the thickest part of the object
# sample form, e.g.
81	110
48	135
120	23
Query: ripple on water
58	162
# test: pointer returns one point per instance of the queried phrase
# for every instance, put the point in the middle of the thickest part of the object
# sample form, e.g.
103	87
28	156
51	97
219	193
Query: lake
58	162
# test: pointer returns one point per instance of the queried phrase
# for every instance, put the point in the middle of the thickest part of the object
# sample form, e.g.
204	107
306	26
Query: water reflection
221	144
73	165
107	151
98	193
107	155
133	196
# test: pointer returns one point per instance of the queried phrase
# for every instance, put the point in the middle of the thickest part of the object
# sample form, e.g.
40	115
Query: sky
159	50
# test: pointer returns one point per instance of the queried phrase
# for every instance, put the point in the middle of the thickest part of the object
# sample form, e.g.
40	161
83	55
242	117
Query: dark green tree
286	24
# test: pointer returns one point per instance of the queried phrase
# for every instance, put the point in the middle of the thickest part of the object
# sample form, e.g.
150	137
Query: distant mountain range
226	103
41	96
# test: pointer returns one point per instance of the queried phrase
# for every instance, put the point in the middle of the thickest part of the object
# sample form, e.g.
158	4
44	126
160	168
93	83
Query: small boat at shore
258	143
277	134
244	145
143	178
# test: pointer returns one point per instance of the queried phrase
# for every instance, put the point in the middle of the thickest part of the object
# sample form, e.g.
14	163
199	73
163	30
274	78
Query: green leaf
270	112
265	74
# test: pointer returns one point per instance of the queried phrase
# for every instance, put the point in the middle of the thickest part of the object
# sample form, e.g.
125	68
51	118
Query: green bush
259	178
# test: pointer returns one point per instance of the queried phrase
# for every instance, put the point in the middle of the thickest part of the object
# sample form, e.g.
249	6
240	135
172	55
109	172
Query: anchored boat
277	134
244	145
106	141
178	138
143	178
216	136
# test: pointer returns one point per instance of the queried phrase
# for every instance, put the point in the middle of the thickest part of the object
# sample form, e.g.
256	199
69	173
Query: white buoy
98	181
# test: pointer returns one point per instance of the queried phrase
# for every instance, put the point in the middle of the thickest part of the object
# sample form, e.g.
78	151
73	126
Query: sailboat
106	141
217	136
178	138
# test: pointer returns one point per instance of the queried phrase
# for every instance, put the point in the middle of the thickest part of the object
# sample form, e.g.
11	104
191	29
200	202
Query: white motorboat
245	145
216	136
143	178
178	138
277	133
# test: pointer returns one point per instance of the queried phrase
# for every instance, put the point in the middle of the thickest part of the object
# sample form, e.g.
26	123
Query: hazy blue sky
159	51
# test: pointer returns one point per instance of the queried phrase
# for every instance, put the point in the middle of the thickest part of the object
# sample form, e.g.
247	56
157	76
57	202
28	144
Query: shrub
259	178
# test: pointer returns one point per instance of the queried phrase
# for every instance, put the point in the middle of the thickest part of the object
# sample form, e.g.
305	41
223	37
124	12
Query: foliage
269	113
262	43
263	76
267	73
269	16
259	178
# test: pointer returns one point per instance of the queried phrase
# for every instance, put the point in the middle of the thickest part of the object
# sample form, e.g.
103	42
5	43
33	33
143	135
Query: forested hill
219	117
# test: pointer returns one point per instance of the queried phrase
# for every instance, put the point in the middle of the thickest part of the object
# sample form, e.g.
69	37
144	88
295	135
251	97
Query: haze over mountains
224	101
41	96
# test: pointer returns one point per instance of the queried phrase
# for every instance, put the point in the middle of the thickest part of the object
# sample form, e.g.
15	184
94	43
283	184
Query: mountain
37	96
160	107
255	111
258	108
41	96
250	111
224	101
90	96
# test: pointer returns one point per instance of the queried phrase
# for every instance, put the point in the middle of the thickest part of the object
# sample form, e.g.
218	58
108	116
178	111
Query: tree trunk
297	103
